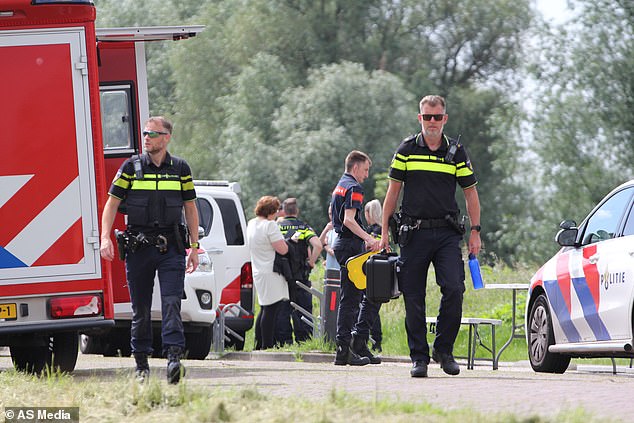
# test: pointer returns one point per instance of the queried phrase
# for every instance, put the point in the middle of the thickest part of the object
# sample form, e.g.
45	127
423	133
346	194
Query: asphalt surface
513	388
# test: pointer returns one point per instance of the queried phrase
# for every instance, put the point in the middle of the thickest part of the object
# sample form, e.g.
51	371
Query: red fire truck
54	176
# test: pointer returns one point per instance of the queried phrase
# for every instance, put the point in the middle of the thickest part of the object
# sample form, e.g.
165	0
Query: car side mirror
567	237
201	232
568	224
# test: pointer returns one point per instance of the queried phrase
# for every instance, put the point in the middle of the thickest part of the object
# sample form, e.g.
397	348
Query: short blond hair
374	211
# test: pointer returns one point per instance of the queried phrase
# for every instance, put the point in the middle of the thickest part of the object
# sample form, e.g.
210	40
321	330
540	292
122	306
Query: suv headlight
204	262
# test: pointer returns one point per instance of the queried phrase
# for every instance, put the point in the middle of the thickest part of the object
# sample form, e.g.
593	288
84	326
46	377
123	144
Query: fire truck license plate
8	311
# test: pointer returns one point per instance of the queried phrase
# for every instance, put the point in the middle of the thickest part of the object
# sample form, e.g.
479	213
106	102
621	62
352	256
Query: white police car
580	301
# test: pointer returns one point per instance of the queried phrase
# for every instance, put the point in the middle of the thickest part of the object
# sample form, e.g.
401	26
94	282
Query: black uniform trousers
286	313
440	247
356	313
141	268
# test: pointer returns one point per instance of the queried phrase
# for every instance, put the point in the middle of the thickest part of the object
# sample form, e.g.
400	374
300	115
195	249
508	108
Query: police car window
231	221
629	223
205	214
603	224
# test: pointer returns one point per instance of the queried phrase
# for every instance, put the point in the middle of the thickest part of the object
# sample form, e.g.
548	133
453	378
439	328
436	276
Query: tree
224	89
583	121
343	107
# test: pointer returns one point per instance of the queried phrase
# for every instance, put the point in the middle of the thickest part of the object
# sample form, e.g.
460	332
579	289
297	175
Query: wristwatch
476	228
194	245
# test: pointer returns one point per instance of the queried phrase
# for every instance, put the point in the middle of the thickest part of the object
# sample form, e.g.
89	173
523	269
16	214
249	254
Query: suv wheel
198	344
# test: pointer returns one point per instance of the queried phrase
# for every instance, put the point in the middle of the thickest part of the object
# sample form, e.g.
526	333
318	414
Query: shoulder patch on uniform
117	175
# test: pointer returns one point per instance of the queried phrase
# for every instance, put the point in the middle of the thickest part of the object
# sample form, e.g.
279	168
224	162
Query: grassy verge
119	398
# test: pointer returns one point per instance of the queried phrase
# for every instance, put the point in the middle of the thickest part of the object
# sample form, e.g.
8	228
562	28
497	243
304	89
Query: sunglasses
154	134
437	118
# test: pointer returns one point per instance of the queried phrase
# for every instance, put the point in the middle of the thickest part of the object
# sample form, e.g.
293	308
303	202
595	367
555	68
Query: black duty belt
432	223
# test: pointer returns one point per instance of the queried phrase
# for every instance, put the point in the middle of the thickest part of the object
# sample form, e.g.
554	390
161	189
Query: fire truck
73	102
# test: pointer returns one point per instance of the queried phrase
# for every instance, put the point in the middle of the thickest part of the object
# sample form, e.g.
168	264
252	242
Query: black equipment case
382	279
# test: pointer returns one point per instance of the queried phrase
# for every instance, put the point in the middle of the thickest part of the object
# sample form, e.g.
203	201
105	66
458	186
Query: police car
580	301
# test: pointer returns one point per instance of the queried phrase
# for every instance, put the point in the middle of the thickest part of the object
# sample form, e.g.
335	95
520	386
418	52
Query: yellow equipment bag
356	269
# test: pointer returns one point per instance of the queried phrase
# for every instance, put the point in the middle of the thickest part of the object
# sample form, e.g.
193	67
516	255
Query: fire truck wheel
62	351
60	354
29	359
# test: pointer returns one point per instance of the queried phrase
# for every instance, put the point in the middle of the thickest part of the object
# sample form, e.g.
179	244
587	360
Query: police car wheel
541	337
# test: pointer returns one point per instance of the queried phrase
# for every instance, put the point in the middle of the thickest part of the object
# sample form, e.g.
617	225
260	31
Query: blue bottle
476	275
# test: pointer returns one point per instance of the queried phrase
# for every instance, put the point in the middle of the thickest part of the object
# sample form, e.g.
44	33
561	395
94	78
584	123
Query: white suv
224	224
223	277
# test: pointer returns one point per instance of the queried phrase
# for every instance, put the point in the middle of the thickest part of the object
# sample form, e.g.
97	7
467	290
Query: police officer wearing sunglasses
427	167
156	187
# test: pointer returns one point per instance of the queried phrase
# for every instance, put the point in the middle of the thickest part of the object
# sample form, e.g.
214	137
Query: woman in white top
264	239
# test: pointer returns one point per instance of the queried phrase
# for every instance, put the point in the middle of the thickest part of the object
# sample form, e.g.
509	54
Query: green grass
119	398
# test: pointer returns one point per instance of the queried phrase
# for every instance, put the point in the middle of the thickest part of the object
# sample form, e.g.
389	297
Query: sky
554	11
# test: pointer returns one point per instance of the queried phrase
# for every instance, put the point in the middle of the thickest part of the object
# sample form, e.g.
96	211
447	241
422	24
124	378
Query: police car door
602	271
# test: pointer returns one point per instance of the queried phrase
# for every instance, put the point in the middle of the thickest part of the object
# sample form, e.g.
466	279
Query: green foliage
583	123
274	93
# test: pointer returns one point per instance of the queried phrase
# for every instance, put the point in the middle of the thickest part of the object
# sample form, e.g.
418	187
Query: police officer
309	248
156	187
353	321
427	166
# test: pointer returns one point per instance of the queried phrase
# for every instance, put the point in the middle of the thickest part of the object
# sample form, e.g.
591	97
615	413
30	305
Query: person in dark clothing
353	328
427	167
294	230
156	188
373	219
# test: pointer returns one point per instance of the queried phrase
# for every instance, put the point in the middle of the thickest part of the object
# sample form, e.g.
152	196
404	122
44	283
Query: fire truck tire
29	359
198	344
60	354
63	350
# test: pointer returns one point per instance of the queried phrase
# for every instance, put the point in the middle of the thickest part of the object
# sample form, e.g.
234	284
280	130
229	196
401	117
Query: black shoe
142	371
419	369
175	370
359	346
447	363
345	356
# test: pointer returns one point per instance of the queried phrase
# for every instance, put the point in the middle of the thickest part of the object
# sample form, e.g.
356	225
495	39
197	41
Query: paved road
513	388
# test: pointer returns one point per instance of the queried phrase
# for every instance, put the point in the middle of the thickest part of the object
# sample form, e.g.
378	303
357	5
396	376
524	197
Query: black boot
175	370
142	371
447	362
345	355
360	347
